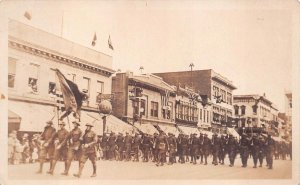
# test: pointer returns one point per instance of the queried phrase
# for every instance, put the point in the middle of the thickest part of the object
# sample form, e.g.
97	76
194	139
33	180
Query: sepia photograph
148	90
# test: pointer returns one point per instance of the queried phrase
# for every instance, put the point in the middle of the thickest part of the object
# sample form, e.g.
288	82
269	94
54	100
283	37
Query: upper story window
243	109
229	98
154	109
72	77
11	72
215	91
236	109
143	107
223	95
99	90
52	84
33	77
86	88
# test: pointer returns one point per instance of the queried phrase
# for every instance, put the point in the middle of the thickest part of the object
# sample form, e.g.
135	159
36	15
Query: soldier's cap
89	125
169	133
85	91
126	133
155	133
230	135
205	134
49	122
76	122
62	123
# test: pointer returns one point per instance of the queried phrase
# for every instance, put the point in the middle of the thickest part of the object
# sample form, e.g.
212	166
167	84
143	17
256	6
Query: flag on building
72	97
110	43
165	99
94	39
27	15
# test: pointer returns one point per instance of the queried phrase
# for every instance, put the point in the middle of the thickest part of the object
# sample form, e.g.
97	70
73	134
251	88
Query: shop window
143	107
52	88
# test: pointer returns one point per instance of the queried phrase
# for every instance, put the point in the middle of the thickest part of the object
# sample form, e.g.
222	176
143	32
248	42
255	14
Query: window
154	109
72	77
254	107
229	98
223	95
86	85
200	114
11	72
167	112
143	107
100	87
204	116
216	91
236	109
33	77
243	109
207	113
86	89
52	85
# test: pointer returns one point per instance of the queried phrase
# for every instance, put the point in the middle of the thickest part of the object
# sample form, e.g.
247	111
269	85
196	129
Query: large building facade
33	56
211	85
256	111
148	100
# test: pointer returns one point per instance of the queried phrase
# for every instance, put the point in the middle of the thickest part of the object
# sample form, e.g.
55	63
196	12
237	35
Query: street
119	170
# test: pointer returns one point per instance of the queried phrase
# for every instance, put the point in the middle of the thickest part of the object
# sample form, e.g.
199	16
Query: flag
27	15
72	97
165	99
110	44
94	39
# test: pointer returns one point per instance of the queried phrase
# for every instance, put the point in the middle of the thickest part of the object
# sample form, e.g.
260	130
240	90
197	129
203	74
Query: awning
13	117
146	128
113	124
233	132
169	129
189	130
33	116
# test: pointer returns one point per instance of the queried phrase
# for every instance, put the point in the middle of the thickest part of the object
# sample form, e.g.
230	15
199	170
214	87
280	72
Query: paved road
142	171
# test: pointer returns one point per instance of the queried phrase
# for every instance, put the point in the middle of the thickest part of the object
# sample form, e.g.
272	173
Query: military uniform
270	151
73	142
112	146
194	149
163	146
222	151
232	145
244	149
136	147
215	143
255	150
146	143
120	145
206	148
201	140
104	146
88	143
128	142
47	145
61	149
184	148
261	153
172	148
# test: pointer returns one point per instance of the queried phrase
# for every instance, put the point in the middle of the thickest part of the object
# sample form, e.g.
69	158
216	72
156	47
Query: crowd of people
161	148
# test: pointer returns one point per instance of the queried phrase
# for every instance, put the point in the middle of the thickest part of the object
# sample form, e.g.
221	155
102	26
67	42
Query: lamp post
105	108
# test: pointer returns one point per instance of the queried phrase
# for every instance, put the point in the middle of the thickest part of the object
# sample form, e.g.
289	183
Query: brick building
147	100
214	86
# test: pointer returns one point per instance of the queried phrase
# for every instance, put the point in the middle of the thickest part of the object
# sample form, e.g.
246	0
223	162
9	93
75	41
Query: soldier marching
161	148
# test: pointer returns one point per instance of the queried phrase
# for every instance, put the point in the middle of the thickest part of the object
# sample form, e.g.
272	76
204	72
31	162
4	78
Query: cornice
58	57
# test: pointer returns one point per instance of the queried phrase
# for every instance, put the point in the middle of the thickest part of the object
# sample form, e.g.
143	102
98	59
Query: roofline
39	29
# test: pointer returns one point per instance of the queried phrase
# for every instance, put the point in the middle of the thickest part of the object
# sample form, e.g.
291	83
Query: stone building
256	111
33	54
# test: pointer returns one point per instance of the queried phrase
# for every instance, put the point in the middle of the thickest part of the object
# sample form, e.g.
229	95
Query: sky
248	42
